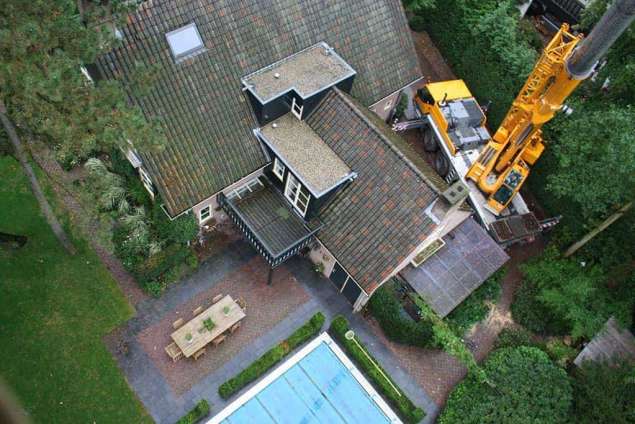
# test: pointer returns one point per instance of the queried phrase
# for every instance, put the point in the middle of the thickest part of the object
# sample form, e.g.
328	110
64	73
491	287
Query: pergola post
270	277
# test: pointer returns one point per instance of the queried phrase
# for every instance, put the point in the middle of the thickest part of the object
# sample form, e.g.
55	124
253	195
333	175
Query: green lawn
54	311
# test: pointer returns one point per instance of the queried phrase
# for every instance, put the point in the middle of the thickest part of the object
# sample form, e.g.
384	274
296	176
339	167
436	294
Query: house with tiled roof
274	114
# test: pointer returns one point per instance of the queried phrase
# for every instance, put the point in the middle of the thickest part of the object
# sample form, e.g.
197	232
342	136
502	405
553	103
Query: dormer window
185	42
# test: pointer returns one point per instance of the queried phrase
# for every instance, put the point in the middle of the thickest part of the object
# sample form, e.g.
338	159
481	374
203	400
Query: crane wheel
429	143
441	164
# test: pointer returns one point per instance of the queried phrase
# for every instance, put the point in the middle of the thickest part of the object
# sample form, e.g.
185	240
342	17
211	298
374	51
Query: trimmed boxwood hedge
397	326
199	411
272	357
408	411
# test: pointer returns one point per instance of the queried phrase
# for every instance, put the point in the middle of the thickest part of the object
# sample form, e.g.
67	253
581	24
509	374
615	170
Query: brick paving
266	306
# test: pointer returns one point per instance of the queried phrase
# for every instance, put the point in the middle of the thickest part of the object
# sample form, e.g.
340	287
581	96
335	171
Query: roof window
185	41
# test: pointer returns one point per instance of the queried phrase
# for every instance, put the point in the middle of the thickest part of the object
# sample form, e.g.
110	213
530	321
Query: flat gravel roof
305	153
307	72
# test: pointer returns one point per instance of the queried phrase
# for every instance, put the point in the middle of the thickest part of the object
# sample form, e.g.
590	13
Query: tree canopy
526	388
43	45
604	393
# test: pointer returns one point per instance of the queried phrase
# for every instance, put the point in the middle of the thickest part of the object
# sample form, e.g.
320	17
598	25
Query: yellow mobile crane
495	168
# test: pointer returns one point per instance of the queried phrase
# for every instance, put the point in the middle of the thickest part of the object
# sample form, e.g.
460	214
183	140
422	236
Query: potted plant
209	324
188	337
226	310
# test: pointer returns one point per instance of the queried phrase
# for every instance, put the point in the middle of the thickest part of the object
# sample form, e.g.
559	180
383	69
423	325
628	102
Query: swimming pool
319	384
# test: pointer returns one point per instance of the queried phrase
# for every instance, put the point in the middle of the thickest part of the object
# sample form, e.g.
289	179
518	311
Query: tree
620	60
43	45
526	388
604	393
595	155
419	5
568	292
52	220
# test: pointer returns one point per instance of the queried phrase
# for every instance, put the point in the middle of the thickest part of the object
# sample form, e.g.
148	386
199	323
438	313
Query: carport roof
468	258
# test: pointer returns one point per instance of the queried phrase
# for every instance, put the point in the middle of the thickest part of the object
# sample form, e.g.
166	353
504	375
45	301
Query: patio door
297	194
345	284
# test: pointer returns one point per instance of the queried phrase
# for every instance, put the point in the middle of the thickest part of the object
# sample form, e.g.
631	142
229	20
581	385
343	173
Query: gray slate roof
379	218
611	343
206	116
468	258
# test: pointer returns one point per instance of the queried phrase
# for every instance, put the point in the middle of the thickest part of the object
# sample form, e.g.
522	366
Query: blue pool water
318	389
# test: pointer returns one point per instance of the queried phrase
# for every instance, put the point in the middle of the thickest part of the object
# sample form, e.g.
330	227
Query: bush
603	393
180	230
529	312
417	23
272	357
514	337
200	410
394	321
560	353
359	354
477	305
526	387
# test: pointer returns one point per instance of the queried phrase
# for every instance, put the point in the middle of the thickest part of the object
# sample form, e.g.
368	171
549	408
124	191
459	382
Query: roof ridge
385	139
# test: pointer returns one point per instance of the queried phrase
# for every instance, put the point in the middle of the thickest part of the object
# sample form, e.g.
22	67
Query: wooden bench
173	352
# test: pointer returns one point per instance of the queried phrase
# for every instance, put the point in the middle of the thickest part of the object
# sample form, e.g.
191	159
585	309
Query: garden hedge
408	411
199	411
272	357
525	386
397	326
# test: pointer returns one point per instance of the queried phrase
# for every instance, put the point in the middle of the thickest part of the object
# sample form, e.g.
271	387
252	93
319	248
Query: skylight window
185	41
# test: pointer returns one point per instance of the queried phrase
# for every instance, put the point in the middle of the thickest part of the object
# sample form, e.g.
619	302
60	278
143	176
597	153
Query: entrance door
351	291
338	276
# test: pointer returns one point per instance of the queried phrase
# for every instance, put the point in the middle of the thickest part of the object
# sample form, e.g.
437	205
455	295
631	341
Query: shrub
417	23
180	230
560	353
394	321
160	263
525	387
514	337
120	164
529	312
272	357
603	393
199	411
360	355
477	305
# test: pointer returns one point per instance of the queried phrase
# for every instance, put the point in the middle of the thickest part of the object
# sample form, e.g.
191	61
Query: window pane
184	40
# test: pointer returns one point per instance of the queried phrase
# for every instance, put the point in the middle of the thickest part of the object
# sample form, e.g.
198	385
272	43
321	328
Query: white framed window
278	169
146	181
204	214
185	41
297	109
297	195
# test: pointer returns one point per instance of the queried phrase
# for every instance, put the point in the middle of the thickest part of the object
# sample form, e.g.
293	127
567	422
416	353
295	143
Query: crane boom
504	164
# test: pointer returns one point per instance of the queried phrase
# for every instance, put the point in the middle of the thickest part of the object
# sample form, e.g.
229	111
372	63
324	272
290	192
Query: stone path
158	394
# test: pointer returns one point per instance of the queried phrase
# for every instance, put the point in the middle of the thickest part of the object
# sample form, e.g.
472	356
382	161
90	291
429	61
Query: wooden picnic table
200	335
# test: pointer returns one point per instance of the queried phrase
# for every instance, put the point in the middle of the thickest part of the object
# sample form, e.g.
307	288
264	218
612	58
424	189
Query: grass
54	311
